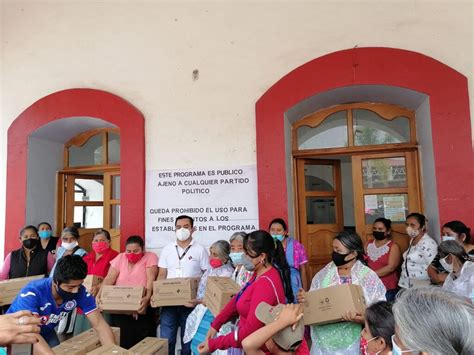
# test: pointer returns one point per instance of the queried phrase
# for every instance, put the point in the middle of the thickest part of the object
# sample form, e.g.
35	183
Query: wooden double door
351	192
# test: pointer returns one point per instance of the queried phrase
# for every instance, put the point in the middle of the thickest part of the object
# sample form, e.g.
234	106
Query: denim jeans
171	318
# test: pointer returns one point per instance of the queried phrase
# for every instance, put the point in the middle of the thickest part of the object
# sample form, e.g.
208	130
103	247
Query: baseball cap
287	338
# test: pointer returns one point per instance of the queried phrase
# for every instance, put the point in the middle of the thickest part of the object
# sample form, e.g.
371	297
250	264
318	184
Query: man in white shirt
182	258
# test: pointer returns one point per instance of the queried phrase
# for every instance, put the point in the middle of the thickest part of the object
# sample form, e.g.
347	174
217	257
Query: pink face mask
134	258
215	263
100	247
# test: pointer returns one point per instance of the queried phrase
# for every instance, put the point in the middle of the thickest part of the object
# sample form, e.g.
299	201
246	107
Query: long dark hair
261	241
459	228
381	322
352	241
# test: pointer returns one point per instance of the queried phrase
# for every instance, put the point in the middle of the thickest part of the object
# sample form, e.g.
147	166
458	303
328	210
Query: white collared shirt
194	262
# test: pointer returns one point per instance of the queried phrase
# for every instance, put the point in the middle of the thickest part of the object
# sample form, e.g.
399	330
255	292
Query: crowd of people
407	293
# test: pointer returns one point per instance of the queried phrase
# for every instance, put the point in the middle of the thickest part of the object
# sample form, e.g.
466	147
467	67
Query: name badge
179	271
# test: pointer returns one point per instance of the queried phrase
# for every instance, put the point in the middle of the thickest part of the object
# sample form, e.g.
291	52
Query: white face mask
445	265
412	232
445	238
69	246
183	234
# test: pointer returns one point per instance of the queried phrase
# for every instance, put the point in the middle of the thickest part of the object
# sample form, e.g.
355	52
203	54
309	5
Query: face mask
338	259
44	234
396	349
247	263
134	258
445	238
215	263
183	234
379	235
100	247
413	233
279	237
445	265
236	258
69	246
30	243
66	296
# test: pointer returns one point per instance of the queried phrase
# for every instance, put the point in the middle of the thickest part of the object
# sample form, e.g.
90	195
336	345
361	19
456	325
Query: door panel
319	212
385	185
90	202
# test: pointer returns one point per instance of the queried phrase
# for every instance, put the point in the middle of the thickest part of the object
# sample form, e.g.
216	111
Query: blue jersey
37	297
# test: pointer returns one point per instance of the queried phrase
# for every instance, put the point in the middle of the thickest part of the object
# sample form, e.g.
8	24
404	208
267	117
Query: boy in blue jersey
53	298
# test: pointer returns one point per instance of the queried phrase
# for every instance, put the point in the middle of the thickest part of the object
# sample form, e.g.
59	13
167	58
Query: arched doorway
438	93
353	163
63	106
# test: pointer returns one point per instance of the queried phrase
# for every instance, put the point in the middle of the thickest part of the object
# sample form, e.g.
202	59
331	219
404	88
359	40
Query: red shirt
102	265
378	258
259	290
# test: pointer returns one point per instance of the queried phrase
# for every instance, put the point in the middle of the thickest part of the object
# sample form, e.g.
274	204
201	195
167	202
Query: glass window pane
386	172
89	216
331	133
115	220
116	187
89	154
370	129
391	206
113	147
318	177
88	190
320	210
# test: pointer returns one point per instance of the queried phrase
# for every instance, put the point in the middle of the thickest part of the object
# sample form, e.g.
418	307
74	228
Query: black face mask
338	259
30	243
66	296
379	235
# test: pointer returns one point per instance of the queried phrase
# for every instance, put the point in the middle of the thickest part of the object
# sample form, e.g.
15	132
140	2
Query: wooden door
319	213
84	204
385	185
112	207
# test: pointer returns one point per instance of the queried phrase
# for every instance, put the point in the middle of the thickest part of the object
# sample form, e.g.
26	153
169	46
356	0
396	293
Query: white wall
44	159
146	51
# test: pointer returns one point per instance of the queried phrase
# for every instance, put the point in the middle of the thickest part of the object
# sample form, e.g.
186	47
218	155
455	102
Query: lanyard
184	253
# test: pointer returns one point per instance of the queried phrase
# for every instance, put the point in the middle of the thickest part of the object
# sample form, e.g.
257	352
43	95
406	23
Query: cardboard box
21	349
83	343
326	305
219	291
110	349
10	288
120	299
92	280
150	346
174	292
419	283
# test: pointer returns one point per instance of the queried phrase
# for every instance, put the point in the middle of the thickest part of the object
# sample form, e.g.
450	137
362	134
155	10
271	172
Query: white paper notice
221	201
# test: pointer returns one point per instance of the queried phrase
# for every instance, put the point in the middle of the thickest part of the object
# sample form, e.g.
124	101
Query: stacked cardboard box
92	280
10	288
326	305
219	291
150	346
83	343
174	292
120	299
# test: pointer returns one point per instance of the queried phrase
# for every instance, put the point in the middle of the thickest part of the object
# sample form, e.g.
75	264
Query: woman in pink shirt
265	256
135	267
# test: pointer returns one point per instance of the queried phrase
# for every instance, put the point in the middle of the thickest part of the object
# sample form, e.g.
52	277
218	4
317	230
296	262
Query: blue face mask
396	349
236	258
44	234
279	237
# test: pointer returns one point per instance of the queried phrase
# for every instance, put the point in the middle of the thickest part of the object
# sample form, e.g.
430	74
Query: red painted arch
450	120
79	103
